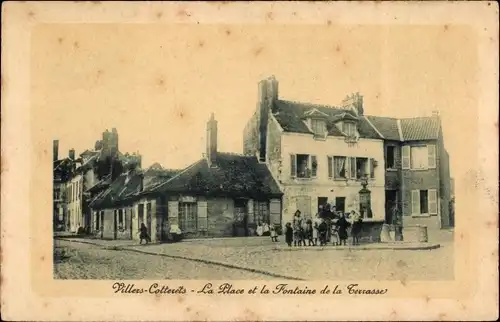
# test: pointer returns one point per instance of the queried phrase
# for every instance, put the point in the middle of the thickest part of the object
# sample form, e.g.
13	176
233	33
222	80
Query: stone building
318	154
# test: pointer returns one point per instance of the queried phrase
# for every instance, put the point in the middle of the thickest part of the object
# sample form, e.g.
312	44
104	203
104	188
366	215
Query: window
303	166
424	202
318	127
121	222
349	128
390	156
361	168
188	216
419	157
261	212
339	167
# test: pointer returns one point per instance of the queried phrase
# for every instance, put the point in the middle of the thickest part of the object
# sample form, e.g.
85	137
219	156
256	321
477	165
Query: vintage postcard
242	161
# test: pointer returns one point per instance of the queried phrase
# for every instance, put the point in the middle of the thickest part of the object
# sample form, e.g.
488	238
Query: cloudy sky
158	83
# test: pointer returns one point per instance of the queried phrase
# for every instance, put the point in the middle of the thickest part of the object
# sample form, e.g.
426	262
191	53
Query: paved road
92	262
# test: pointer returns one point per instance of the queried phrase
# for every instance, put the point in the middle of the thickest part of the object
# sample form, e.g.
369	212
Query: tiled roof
420	128
387	126
290	115
124	185
235	175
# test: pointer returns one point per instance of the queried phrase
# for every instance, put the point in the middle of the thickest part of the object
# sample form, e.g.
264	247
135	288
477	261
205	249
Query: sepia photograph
295	151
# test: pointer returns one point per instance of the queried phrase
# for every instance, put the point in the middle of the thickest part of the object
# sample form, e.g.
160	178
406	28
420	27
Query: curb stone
195	259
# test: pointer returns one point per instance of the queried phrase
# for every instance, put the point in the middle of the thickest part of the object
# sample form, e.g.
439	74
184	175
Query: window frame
393	167
188	217
312	166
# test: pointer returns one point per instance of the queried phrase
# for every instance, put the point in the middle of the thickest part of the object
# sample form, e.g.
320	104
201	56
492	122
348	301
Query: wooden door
240	218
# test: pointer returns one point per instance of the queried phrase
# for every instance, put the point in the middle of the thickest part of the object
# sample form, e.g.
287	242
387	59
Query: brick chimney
71	154
55	146
268	94
212	142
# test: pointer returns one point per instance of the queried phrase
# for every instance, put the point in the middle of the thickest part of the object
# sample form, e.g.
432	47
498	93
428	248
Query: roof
235	175
124	185
290	117
420	128
387	126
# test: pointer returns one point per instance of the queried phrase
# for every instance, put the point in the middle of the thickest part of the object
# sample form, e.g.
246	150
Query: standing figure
322	228
297	229
288	234
315	227
356	227
342	225
274	235
309	233
144	235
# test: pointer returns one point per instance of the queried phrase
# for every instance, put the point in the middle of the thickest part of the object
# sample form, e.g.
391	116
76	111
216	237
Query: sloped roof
125	184
290	117
387	126
420	128
235	175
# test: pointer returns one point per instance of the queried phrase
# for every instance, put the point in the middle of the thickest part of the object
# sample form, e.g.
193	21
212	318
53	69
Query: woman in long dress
342	225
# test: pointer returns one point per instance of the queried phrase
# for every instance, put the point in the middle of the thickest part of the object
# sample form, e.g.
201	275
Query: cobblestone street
256	253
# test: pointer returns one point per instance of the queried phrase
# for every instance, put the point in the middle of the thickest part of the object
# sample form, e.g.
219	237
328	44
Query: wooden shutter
353	168
372	168
432	201
431	152
275	211
405	157
330	167
173	212
293	165
347	167
314	168
415	202
202	216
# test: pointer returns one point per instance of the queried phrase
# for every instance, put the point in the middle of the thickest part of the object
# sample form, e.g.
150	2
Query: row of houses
295	156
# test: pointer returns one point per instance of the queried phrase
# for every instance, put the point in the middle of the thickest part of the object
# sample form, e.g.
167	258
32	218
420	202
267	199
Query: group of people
327	226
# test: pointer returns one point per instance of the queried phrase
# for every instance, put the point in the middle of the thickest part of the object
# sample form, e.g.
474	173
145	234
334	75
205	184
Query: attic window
318	127
349	128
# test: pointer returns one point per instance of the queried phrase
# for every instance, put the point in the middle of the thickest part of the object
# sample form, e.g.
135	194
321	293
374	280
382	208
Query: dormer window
318	127
349	128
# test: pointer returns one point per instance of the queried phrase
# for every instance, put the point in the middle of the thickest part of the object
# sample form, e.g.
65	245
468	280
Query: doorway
340	204
391	197
240	223
322	201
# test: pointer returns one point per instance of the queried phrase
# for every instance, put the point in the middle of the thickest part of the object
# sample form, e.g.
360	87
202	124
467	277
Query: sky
159	83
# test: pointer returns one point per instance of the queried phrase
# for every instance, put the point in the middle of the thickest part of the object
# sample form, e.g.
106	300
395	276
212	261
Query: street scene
248	258
372	193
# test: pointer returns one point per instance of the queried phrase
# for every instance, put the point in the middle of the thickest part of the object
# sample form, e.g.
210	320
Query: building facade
222	194
318	154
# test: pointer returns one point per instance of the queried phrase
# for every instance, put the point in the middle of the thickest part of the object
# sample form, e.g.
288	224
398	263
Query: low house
223	194
113	214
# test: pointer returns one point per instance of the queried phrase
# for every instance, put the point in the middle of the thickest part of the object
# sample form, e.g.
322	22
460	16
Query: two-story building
318	154
417	170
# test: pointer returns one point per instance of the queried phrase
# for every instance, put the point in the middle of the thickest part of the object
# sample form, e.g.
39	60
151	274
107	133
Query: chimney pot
55	146
212	141
71	154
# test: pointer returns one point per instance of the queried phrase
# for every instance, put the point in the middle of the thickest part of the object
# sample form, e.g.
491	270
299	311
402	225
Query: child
274	235
335	236
297	234
288	234
309	233
322	232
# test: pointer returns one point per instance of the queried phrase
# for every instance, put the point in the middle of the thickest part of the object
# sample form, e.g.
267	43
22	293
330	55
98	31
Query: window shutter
347	167
353	168
173	212
415	202
314	166
432	200
202	216
405	157
431	151
372	168
275	210
330	167
293	165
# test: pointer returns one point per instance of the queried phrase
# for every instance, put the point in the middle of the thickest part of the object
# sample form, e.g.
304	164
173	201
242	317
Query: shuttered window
275	210
431	153
202	216
314	166
433	202
293	165
372	168
173	212
405	157
330	167
415	202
